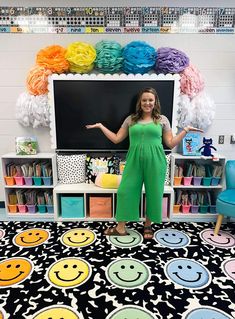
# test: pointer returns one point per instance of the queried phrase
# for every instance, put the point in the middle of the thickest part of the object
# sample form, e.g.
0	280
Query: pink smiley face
228	267
2	233
222	240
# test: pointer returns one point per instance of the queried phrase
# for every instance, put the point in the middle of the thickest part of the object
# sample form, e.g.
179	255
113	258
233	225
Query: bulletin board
77	20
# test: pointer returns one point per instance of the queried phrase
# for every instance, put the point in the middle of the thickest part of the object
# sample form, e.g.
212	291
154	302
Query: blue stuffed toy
207	147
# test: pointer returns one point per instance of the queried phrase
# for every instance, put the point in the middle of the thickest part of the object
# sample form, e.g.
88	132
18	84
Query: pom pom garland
37	80
191	82
195	107
33	110
171	60
198	111
109	57
81	57
53	58
139	57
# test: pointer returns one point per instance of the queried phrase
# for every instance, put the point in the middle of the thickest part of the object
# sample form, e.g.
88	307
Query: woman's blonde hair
156	112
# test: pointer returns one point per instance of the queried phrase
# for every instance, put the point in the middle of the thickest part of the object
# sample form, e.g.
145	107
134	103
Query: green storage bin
203	209
72	207
206	181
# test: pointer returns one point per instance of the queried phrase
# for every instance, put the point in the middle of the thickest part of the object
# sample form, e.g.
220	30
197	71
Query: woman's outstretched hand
194	129
96	125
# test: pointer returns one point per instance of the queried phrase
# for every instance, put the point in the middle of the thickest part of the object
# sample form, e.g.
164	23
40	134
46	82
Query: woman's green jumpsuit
145	164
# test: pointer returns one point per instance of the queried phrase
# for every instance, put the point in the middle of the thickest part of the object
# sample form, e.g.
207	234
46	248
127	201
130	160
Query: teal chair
225	203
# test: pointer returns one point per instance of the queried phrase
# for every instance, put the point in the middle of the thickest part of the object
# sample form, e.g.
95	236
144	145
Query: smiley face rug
73	271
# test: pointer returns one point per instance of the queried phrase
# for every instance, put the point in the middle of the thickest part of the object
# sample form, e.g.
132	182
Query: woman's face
147	102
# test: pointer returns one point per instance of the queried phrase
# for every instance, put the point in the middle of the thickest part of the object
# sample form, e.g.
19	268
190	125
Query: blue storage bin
72	206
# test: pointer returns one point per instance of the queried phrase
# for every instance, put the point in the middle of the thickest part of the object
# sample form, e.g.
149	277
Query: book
26	145
191	144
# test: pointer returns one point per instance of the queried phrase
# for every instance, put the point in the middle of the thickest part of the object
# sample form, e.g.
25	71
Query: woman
145	162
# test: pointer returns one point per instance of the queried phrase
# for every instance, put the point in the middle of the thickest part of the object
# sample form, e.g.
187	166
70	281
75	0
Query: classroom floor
71	270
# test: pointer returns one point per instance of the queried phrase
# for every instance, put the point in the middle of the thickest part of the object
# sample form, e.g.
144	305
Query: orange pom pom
53	58
37	80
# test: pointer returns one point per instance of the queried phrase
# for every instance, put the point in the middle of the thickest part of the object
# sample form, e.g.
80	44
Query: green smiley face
128	273
131	240
131	312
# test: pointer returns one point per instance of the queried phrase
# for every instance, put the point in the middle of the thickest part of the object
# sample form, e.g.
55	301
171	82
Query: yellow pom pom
81	57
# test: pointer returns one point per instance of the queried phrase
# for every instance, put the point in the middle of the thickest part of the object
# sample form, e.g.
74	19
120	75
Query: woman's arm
113	137
171	141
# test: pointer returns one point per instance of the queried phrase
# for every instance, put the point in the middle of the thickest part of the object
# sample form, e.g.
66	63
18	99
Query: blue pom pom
139	57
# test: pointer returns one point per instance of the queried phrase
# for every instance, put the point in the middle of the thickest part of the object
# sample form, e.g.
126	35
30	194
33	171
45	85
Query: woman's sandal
114	232
148	232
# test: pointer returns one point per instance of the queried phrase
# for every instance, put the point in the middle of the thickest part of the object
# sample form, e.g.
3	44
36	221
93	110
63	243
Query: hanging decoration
139	57
191	82
171	60
109	57
37	80
198	111
81	57
53	59
196	108
33	110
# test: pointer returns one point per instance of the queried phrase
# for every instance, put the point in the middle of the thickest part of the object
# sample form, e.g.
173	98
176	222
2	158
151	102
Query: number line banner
117	20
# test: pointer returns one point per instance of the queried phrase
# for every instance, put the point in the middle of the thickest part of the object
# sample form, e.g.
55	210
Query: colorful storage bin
177	180
197	180
72	206
215	181
187	180
100	207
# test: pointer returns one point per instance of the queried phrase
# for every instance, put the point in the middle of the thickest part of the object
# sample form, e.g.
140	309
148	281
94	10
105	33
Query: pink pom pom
191	82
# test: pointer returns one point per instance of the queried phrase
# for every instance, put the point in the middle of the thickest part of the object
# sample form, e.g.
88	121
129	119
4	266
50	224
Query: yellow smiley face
57	312
31	238
69	272
14	271
78	237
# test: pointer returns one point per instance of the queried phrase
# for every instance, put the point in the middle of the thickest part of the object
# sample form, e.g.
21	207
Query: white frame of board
114	77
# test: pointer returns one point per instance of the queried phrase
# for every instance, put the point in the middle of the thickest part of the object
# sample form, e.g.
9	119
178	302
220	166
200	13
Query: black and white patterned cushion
168	170
71	168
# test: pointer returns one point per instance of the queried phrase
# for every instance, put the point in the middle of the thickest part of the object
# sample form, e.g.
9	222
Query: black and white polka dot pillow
168	170
71	168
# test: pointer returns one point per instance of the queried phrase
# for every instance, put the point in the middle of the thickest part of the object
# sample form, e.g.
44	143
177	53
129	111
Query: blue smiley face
172	238
206	313
187	273
131	240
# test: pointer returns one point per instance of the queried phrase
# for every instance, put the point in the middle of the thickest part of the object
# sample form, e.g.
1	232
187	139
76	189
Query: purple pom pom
171	60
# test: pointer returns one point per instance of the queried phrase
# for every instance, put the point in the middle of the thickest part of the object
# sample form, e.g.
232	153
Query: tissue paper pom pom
191	82
139	57
53	58
171	60
33	110
109	56
81	57
37	80
198	111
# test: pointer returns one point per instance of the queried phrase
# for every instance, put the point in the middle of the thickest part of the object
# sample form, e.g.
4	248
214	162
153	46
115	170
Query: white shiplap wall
214	55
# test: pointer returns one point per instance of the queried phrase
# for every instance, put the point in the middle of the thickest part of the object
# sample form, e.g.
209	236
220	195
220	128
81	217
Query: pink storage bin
22	208
19	180
186	209
187	181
